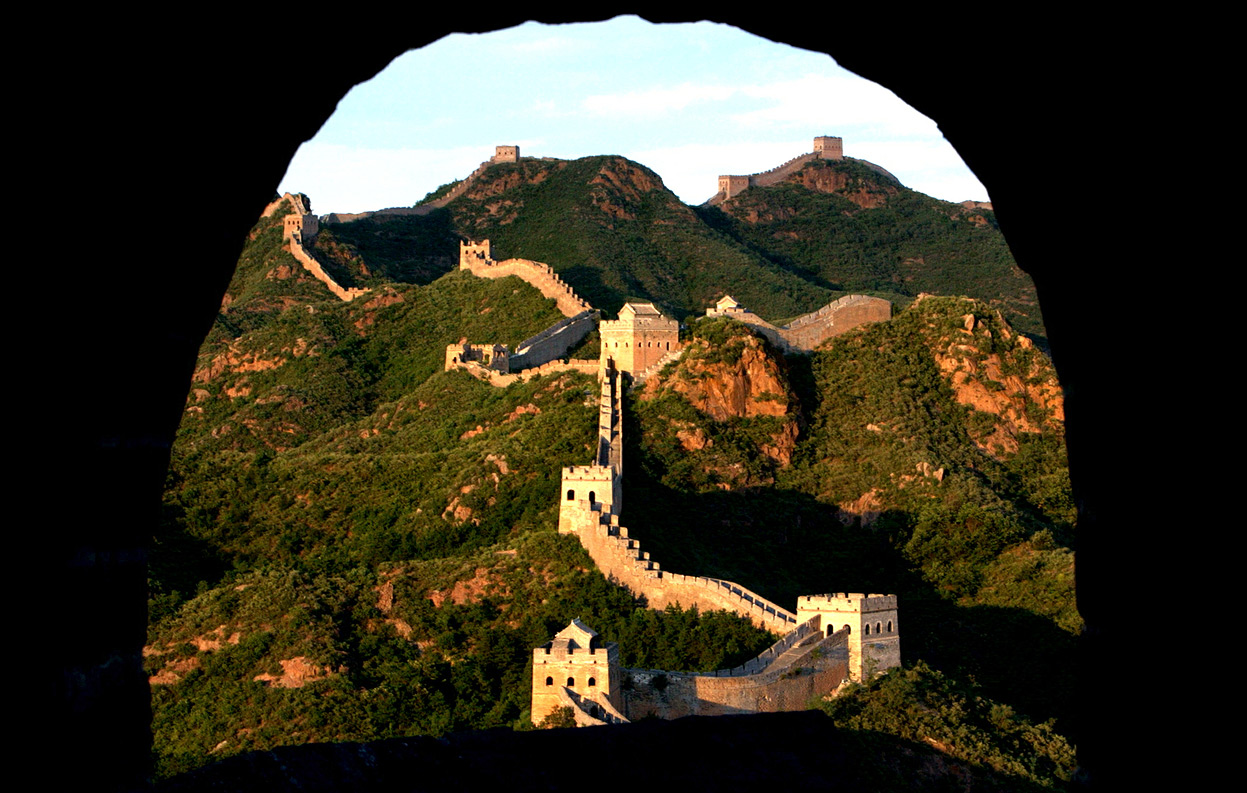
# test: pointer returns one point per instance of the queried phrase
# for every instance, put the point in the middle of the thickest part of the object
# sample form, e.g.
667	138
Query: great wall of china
830	638
806	332
825	148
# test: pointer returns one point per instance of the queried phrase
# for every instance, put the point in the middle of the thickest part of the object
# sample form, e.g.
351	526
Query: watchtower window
868	629
878	627
889	626
571	495
593	681
571	681
549	681
592	496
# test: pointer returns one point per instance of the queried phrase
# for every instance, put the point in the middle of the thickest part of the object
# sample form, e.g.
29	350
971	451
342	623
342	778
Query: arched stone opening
149	434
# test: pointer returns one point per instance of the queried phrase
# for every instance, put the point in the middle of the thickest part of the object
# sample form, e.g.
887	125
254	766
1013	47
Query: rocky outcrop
753	384
739	379
996	371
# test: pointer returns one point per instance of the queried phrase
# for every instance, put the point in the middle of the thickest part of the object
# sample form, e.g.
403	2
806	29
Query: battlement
587	473
806	332
829	148
847	602
640	338
826	147
476	258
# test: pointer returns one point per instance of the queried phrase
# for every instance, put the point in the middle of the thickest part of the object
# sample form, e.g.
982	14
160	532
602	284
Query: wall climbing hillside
806	332
554	341
590	506
293	233
816	667
475	258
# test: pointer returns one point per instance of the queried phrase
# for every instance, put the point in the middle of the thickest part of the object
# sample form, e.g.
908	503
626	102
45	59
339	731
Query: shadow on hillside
412	249
698	752
587	282
783	544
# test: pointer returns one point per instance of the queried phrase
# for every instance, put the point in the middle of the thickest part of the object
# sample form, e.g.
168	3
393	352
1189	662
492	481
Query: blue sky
690	101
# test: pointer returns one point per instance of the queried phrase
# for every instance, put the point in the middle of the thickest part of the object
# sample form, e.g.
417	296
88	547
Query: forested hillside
356	545
612	230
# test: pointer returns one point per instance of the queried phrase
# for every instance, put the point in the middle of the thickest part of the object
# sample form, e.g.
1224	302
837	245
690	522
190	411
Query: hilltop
359	545
612	230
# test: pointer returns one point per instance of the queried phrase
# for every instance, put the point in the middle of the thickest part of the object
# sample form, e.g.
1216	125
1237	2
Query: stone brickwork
495	357
826	147
639	339
294	225
805	333
576	668
799	667
554	341
829	148
872	625
475	258
816	666
501	154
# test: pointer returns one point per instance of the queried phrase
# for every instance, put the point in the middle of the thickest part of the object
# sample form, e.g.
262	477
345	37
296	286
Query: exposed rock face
830	180
1000	374
295	673
739	379
752	385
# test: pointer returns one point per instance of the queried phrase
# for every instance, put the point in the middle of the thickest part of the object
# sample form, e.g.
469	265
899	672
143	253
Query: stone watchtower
874	632
576	660
829	148
506	154
639	338
303	225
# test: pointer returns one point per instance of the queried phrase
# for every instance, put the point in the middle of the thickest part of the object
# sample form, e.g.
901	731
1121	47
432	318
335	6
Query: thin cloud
657	101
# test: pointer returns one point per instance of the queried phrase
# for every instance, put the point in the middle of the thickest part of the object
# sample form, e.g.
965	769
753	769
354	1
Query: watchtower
506	153
639	338
829	148
732	186
473	253
874	632
578	660
304	225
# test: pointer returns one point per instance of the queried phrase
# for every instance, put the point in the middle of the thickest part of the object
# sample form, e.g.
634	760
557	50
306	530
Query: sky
689	101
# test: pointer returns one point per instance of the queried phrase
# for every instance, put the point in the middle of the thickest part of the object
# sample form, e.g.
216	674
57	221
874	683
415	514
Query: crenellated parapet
802	665
475	258
806	332
639	339
872	624
826	147
576	663
301	224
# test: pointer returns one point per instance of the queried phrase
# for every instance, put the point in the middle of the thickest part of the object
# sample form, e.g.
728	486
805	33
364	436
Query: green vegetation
922	705
344	518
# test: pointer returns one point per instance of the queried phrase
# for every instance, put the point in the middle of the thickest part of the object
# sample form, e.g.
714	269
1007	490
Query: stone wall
826	147
554	341
639	339
805	333
817	670
496	378
539	275
294	240
501	154
829	148
620	558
